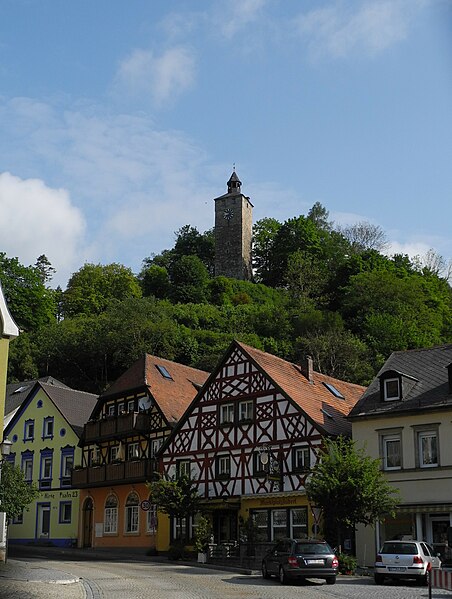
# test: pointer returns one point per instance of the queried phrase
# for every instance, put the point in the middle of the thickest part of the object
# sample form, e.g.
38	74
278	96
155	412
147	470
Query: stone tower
233	232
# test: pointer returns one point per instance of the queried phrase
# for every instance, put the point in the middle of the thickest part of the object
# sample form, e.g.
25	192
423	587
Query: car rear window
307	548
402	548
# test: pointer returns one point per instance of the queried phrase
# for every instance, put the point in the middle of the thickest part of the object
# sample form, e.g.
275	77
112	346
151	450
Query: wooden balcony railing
117	472
117	426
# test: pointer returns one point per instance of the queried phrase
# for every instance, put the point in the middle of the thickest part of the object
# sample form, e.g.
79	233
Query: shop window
278	524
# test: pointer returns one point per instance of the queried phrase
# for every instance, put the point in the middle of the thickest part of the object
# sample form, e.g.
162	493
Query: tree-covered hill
319	289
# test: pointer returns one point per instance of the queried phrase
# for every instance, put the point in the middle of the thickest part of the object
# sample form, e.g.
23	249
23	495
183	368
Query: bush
347	563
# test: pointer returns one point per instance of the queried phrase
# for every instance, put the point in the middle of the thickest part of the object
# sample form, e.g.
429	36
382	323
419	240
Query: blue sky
120	121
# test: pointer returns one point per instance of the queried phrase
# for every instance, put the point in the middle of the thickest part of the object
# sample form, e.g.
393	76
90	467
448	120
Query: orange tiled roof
172	395
312	397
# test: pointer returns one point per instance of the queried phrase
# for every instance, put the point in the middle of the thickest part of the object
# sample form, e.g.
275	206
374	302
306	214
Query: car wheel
379	578
282	576
265	573
331	580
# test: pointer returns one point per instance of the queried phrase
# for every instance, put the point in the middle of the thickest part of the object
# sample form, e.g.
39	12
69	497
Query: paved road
106	579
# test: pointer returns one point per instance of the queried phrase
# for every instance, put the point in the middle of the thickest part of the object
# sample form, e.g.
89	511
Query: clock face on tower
228	213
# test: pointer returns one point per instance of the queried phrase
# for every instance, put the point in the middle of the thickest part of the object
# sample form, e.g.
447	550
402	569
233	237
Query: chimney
307	367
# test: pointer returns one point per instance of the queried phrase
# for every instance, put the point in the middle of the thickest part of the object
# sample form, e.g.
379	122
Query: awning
428	508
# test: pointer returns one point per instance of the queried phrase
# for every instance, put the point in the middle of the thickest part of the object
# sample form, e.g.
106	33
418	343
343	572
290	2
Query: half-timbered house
251	437
127	427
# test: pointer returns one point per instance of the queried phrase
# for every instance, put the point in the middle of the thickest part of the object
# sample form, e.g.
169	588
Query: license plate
315	562
397	569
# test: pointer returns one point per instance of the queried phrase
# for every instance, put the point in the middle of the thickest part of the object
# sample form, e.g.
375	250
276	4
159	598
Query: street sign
145	505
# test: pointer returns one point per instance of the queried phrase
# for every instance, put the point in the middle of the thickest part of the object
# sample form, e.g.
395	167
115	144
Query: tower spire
234	183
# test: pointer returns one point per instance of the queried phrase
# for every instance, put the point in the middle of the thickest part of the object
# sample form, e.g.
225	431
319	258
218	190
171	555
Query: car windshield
312	548
402	548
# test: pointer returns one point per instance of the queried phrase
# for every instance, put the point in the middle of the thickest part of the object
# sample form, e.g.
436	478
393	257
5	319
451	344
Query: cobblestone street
106	579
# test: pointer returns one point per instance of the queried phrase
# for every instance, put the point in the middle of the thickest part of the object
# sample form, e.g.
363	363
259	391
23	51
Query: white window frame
111	410
132	516
276	527
111	517
304	451
246	410
47	463
121	408
224	465
156	445
114	453
427	434
29	436
227	413
131	405
133	450
49	428
294	526
68	464
388	397
184	468
27	466
385	441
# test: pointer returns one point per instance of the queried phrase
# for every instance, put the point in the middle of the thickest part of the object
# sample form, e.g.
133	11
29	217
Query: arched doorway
88	522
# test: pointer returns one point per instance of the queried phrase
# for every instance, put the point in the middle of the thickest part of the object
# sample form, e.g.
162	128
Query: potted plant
347	563
203	534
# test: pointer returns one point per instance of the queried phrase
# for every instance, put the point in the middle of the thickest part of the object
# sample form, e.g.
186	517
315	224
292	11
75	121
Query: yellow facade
53	516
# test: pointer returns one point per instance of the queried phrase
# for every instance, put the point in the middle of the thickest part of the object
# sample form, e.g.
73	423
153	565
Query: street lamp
5	447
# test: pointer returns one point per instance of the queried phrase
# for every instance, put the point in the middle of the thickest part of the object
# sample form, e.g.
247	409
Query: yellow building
405	419
45	430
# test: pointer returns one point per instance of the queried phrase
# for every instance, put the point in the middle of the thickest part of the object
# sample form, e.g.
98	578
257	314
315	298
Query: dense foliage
349	488
318	290
16	493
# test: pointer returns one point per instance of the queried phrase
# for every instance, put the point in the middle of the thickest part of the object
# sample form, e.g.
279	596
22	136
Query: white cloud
235	15
159	78
39	220
368	27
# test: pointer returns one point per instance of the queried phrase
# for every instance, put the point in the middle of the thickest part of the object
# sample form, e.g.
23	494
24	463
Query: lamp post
5	450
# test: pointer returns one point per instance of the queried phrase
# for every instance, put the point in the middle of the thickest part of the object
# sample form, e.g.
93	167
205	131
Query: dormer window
391	389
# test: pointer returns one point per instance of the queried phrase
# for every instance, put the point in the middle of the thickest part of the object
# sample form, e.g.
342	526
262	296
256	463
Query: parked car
292	559
405	559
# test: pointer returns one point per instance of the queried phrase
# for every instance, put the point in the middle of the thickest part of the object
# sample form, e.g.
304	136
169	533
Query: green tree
15	492
264	233
91	289
349	488
190	242
45	268
178	498
30	302
189	278
155	281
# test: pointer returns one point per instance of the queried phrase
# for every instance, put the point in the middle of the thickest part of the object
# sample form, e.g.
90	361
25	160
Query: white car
405	559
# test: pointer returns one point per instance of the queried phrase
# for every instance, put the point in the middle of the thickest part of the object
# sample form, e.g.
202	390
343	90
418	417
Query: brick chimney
307	368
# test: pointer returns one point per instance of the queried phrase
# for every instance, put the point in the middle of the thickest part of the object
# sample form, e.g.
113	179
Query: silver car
404	560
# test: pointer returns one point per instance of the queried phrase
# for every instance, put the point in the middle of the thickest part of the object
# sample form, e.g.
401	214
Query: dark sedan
290	559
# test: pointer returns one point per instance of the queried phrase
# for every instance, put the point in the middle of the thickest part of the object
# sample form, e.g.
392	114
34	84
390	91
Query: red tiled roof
173	396
312	397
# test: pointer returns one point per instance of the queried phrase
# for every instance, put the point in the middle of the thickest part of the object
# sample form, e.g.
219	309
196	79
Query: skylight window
326	413
332	389
20	389
163	371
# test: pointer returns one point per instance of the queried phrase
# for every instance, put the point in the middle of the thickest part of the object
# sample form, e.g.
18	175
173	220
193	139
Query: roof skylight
332	389
326	413
163	371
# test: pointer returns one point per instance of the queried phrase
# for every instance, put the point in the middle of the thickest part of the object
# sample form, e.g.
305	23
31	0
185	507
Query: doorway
43	521
225	526
88	508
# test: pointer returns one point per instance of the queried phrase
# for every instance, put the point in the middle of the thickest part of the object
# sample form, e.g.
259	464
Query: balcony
133	471
111	427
